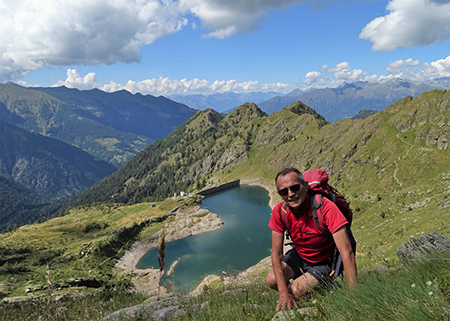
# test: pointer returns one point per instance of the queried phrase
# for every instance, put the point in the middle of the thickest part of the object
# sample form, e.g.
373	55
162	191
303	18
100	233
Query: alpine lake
240	243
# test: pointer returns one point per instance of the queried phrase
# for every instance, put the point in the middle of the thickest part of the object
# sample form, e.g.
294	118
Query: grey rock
422	246
299	314
165	309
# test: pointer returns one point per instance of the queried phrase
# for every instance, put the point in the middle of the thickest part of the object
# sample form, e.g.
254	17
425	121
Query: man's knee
271	280
301	285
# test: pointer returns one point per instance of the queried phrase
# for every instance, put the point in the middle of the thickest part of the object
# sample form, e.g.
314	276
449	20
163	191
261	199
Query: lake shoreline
147	280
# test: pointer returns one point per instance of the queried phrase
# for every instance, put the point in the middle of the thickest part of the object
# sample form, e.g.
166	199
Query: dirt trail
400	159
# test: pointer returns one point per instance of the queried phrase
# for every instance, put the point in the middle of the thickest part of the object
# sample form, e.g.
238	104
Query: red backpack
318	188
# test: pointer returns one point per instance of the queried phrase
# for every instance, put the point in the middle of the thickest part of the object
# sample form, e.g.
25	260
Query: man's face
287	183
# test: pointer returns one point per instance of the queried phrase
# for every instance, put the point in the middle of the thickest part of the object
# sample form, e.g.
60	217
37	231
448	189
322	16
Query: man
309	263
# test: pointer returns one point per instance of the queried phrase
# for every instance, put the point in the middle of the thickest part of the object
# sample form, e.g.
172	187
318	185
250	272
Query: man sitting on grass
309	263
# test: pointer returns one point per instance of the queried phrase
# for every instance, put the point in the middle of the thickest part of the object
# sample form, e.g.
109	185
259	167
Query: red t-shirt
311	244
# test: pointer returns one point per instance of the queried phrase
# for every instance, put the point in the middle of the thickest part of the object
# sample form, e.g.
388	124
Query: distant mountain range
225	102
344	101
111	126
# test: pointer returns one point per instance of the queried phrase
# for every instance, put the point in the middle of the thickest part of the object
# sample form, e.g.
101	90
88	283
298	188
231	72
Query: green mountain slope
173	164
206	143
19	205
47	166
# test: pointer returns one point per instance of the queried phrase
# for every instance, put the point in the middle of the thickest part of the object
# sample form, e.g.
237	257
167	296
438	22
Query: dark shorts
320	271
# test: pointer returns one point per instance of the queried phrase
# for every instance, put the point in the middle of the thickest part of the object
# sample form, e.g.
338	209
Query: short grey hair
290	170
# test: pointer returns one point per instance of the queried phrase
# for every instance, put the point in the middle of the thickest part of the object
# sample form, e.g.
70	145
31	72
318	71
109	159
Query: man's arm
348	257
285	298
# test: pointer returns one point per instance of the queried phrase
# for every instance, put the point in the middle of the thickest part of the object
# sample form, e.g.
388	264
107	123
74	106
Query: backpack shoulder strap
283	212
316	205
283	216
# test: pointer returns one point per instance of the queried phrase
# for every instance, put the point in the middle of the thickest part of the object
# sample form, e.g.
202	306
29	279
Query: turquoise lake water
241	242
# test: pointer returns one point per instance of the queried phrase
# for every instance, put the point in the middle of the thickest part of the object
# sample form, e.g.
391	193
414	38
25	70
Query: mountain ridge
347	100
110	126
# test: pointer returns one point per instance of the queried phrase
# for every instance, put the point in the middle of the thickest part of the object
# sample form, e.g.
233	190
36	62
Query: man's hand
284	301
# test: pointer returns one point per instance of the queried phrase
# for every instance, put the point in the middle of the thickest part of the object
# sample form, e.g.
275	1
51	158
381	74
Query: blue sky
164	47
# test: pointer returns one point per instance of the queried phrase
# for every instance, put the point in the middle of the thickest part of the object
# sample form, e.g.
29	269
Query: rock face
166	309
424	245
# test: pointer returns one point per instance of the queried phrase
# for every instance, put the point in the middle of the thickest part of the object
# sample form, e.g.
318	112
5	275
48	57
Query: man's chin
294	204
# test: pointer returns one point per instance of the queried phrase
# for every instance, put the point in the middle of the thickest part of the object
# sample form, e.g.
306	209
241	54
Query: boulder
165	309
422	246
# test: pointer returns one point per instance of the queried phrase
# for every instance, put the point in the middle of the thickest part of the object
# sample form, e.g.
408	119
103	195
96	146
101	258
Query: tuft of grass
419	292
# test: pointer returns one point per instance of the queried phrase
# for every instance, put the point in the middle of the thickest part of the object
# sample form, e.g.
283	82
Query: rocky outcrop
152	309
422	246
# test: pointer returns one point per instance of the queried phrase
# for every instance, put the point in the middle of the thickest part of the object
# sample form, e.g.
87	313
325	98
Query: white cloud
74	80
230	17
439	68
167	86
410	68
397	66
38	34
415	70
409	23
316	79
336	76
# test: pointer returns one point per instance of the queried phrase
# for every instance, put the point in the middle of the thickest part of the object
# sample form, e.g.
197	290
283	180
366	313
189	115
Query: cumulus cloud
167	86
410	68
415	70
333	77
439	68
397	66
38	34
227	18
74	80
409	23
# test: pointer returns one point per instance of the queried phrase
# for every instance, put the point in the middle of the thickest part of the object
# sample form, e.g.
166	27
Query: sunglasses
285	191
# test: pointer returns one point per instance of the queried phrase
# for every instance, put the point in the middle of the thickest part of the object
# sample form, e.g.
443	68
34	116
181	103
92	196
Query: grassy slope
83	244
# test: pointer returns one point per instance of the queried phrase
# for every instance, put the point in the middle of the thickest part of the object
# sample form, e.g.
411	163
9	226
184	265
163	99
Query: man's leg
301	285
287	272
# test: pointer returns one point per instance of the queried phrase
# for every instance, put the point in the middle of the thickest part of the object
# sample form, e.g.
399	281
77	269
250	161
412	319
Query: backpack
318	188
